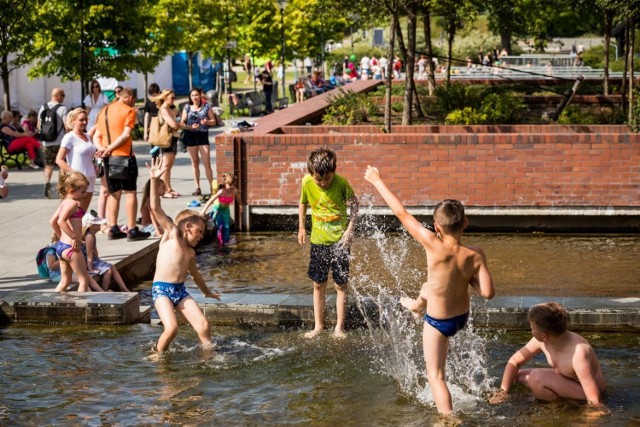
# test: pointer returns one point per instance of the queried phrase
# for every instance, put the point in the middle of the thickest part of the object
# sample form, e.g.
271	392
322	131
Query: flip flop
175	193
169	196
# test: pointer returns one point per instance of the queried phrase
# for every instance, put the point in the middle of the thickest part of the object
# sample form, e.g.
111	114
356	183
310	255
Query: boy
444	298
575	372
176	258
331	232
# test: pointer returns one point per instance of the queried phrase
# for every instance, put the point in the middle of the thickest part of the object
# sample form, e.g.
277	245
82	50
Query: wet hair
154	89
71	181
73	115
449	215
550	317
322	160
227	178
188	215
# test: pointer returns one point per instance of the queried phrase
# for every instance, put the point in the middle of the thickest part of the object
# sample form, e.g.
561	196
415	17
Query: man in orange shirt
115	123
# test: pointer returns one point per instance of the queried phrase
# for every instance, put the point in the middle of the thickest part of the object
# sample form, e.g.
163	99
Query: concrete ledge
114	308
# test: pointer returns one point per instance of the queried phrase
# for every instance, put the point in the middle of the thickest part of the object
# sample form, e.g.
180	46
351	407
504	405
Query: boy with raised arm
331	230
176	258
575	372
444	298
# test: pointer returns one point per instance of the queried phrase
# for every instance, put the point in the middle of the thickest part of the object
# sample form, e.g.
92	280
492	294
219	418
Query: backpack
41	262
49	130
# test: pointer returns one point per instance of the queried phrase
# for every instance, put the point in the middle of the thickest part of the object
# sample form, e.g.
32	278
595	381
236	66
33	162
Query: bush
397	106
450	98
349	108
465	116
501	109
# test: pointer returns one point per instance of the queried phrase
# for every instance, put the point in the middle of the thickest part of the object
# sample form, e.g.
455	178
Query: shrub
397	106
349	108
501	109
465	116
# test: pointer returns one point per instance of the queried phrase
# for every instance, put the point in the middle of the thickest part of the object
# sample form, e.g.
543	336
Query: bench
5	157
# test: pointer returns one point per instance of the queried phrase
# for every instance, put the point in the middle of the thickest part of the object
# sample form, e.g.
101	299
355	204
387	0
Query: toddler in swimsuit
221	214
176	258
67	224
444	298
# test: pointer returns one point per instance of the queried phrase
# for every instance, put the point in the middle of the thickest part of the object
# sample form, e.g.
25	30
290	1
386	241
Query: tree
83	39
17	29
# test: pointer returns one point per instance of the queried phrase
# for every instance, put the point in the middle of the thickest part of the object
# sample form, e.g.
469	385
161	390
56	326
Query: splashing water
396	338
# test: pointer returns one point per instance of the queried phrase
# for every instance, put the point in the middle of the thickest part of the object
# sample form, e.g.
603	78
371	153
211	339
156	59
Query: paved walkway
24	217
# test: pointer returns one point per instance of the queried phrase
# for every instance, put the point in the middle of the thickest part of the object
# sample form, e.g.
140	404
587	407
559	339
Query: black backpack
49	130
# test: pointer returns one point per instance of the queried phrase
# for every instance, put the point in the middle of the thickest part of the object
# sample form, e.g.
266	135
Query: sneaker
33	165
135	234
47	190
115	233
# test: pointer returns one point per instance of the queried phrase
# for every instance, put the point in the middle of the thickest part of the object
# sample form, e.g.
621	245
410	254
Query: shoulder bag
118	167
160	133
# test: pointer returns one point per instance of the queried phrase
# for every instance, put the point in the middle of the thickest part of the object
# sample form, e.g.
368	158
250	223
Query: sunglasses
93	87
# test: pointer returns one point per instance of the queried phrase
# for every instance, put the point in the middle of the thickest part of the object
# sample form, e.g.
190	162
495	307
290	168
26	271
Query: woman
166	111
16	142
150	109
197	117
94	102
77	152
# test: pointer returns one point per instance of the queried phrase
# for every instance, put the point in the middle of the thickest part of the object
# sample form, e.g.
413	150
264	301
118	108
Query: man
267	87
116	138
51	146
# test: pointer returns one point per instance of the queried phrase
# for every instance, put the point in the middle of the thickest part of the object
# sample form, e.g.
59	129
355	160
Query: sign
231	44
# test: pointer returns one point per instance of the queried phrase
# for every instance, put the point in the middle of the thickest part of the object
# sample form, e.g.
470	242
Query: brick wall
481	169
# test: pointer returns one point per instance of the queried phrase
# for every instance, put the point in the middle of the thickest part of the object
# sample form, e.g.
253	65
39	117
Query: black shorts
324	257
195	138
128	184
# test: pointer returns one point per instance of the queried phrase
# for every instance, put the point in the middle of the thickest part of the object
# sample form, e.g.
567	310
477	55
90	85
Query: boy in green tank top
331	230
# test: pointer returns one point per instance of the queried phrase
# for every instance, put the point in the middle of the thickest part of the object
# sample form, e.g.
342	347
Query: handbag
160	133
118	167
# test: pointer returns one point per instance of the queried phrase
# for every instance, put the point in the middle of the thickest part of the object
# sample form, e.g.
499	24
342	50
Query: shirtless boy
176	258
445	296
575	371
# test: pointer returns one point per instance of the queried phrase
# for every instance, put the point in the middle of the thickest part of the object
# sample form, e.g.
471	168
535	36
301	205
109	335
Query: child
176	258
91	225
148	220
4	189
444	298
221	214
575	372
54	266
67	224
331	232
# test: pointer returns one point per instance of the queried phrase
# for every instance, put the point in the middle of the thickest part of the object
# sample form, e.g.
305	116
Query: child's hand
157	168
410	304
302	235
372	174
212	294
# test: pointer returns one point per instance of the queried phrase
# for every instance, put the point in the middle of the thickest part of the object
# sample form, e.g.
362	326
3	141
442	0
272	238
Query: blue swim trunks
448	327
176	292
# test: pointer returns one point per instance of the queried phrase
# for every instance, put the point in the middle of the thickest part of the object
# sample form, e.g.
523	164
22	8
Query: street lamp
282	4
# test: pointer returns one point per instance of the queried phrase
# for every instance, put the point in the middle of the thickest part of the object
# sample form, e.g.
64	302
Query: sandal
198	192
175	193
168	196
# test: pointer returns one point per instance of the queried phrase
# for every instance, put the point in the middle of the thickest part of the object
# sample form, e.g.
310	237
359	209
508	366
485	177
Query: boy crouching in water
575	372
331	230
444	298
176	258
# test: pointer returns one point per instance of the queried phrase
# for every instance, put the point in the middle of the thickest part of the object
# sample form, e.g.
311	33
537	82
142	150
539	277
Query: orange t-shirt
120	115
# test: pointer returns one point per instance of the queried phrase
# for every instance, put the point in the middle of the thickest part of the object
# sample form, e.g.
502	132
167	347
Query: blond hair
73	115
71	181
161	97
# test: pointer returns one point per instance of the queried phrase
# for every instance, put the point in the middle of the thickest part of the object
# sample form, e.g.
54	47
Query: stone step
145	314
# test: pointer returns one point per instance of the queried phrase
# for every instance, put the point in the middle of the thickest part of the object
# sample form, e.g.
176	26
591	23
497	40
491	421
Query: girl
197	116
67	224
164	101
221	214
90	226
149	222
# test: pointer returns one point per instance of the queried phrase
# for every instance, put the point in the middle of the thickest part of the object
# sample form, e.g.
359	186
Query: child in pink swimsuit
67	224
221	214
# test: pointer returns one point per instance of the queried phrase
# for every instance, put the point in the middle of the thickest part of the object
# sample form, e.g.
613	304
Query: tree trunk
190	68
389	72
623	89
505	40
450	35
431	74
4	73
632	43
608	21
409	83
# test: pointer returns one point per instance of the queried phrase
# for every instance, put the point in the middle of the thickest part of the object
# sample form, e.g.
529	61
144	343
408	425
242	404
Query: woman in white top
77	152
94	102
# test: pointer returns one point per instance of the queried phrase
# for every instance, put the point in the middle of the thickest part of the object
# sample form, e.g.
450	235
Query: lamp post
283	4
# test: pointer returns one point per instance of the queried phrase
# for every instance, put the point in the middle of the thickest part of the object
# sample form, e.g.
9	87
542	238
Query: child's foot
313	334
339	334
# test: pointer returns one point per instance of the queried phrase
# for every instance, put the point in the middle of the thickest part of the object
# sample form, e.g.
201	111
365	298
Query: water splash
396	338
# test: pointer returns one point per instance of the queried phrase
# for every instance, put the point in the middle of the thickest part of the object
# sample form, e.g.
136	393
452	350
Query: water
92	375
